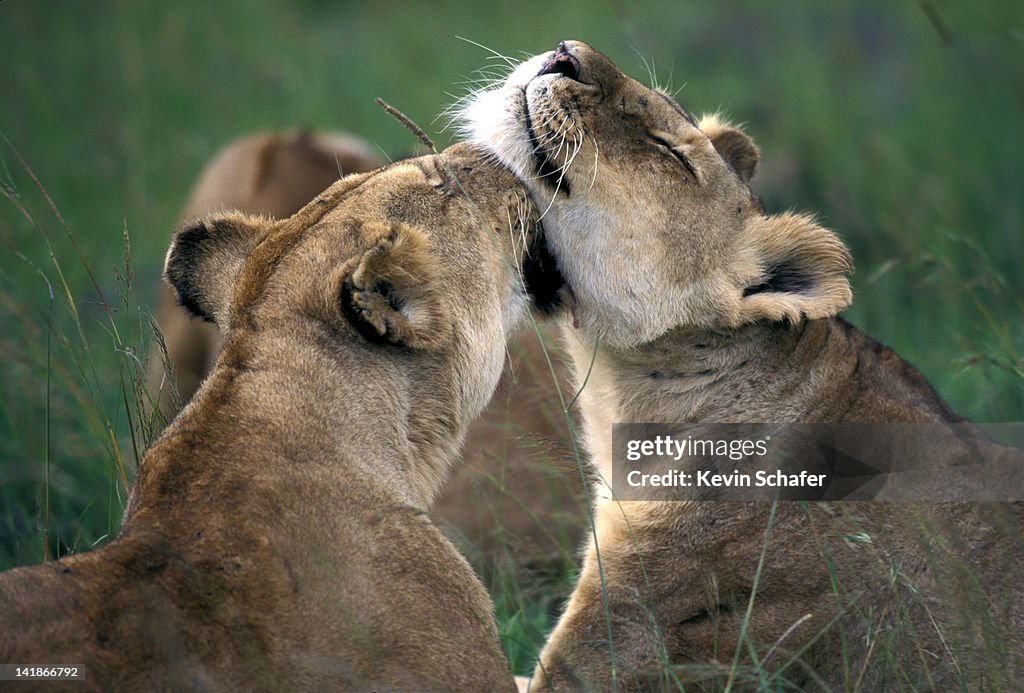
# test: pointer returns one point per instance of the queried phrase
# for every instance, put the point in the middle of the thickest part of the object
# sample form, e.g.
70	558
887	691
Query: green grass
899	124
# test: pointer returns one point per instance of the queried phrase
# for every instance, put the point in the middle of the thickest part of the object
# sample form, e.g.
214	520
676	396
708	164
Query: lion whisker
494	54
593	179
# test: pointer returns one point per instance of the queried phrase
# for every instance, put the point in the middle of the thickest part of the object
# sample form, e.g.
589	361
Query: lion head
647	209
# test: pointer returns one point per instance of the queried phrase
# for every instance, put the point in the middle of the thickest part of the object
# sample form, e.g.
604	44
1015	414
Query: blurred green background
898	123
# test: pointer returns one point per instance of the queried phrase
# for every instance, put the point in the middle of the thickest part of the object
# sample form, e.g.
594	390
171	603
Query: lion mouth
547	171
550	174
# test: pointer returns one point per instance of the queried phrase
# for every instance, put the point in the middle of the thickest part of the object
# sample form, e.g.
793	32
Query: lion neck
370	417
697	375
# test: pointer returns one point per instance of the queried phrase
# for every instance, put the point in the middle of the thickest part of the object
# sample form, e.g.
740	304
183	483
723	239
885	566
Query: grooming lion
514	504
277	534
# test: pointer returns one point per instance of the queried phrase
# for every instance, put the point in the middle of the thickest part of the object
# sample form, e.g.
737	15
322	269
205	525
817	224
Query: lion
692	304
515	503
277	536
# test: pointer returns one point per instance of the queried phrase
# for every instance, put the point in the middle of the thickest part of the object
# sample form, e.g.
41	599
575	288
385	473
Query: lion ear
733	145
204	260
801	270
392	292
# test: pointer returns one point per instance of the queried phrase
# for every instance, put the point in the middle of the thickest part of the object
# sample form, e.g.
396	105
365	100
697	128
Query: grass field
898	124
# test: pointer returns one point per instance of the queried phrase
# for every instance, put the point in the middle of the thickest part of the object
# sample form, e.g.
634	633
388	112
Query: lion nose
562	62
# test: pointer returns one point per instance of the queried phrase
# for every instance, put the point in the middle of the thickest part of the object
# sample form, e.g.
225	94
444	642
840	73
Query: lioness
276	536
694	305
514	503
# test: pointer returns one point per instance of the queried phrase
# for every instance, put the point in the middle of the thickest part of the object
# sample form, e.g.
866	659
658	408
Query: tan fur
702	308
516	499
515	504
277	534
269	174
